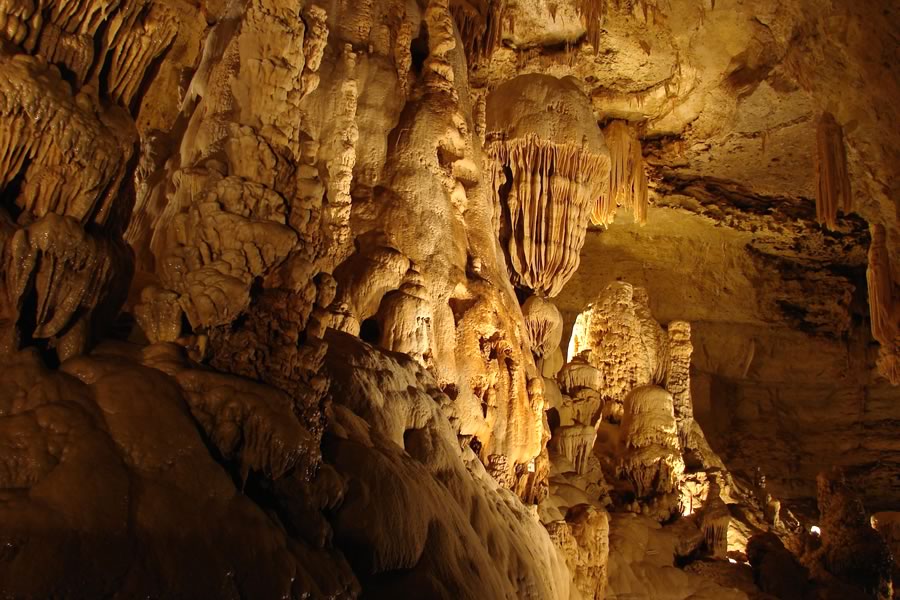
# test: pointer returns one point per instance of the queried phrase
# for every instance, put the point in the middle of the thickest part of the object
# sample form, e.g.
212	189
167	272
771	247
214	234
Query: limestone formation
851	549
678	377
832	178
888	525
652	458
884	310
627	176
551	165
576	442
63	162
715	519
285	289
544	325
584	538
580	382
618	335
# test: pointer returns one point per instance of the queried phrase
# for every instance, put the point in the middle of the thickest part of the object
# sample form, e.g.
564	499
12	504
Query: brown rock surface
276	281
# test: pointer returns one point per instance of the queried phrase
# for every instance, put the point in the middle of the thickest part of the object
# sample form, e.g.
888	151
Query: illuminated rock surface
449	299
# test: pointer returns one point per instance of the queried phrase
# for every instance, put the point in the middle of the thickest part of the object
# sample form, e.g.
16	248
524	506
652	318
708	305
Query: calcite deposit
449	299
551	166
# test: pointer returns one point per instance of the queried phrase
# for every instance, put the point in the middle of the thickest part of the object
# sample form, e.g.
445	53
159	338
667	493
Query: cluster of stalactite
832	177
553	189
594	12
480	24
550	164
627	176
884	309
69	72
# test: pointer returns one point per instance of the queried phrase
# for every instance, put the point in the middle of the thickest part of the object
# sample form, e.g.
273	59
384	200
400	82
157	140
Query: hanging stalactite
883	312
480	24
550	166
553	189
832	178
627	178
594	12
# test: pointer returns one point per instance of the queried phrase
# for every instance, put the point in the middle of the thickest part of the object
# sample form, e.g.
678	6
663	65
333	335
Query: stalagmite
584	539
406	323
832	176
884	309
652	458
627	177
678	377
618	335
541	133
159	314
714	519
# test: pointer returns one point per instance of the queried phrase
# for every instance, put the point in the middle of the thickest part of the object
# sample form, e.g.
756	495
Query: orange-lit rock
463	299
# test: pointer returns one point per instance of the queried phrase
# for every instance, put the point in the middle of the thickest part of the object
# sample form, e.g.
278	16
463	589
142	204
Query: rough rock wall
420	514
279	118
111	487
437	287
783	369
109	465
270	169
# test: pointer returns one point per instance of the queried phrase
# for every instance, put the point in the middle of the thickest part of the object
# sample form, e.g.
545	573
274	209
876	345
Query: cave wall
287	288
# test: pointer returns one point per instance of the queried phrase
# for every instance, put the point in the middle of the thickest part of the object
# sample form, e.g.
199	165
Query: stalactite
581	383
832	177
67	271
575	442
552	165
554	186
480	24
627	179
70	158
544	324
592	14
883	308
65	259
137	34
